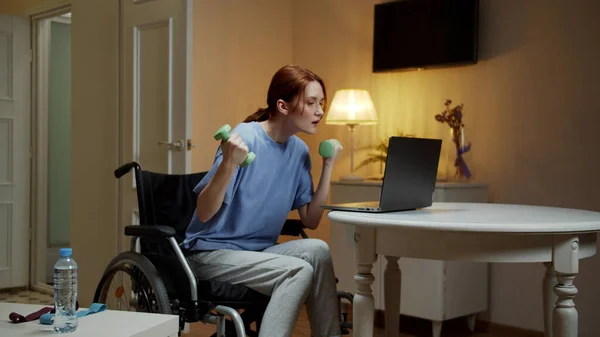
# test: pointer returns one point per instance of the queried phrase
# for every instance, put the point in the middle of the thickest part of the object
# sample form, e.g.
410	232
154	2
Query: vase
457	152
462	162
447	156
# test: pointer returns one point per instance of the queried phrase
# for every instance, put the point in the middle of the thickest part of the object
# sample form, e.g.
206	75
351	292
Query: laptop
409	178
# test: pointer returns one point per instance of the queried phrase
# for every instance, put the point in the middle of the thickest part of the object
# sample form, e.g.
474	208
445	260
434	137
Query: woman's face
309	110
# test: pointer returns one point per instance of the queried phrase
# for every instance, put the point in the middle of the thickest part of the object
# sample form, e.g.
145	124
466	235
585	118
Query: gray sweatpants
292	273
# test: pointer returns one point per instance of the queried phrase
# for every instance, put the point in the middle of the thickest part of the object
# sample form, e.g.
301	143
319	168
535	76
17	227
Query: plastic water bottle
65	292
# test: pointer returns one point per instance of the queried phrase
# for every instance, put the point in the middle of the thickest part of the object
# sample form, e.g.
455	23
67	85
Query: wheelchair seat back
167	199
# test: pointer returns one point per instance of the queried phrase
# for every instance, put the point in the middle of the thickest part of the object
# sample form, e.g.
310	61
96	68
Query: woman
241	211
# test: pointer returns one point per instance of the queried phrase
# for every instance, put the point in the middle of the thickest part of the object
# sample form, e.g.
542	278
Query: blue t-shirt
259	197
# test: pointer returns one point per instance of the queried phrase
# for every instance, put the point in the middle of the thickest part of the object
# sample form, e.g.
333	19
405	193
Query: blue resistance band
94	308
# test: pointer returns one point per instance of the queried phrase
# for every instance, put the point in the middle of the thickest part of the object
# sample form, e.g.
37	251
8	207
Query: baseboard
13	290
422	327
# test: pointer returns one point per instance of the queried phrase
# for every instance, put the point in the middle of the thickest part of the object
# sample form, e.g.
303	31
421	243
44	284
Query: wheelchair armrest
293	227
150	231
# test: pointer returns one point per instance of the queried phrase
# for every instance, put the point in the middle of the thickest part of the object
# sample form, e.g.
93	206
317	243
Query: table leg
363	304
436	328
565	318
391	286
566	265
549	298
471	320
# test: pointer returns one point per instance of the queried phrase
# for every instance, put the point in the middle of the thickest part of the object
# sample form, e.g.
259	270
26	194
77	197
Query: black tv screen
412	34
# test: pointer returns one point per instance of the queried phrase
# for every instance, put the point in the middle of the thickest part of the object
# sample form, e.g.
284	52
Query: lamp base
351	177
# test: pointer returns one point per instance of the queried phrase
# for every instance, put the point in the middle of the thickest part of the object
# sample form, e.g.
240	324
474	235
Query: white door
15	118
155	78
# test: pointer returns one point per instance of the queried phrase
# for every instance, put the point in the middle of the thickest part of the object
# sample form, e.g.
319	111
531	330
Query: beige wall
94	140
238	46
332	38
17	7
530	112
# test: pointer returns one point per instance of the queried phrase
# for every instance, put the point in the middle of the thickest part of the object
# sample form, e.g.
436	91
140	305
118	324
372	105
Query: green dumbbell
327	147
223	135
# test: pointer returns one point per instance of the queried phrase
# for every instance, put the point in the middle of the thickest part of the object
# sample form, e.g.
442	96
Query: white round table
480	232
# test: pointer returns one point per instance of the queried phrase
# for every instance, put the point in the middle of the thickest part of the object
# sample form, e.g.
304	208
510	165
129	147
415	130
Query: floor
417	329
414	328
26	297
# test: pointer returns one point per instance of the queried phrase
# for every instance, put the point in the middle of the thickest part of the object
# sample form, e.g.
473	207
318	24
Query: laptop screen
410	173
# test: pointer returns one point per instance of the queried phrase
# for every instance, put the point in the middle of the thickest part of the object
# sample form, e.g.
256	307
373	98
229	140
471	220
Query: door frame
39	136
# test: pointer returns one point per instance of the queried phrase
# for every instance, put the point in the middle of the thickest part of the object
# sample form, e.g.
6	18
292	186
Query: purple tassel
460	161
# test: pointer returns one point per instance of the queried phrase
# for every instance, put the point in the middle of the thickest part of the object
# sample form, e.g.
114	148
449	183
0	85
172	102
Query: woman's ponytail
259	116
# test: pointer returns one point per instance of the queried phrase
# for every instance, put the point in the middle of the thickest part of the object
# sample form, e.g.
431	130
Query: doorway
51	157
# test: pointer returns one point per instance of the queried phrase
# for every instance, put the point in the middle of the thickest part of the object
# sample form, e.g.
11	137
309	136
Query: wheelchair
157	277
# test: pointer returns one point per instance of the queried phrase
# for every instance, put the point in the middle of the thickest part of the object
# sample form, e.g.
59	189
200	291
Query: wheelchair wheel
132	283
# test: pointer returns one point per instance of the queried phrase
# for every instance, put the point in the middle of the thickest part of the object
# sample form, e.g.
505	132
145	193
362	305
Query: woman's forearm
211	198
314	210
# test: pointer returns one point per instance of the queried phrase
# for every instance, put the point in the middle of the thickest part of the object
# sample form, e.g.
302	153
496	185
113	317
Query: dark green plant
380	151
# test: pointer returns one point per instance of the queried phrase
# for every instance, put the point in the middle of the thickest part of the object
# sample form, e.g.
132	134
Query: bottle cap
66	252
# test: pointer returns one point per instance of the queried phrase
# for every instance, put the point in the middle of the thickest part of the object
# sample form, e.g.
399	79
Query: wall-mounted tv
414	34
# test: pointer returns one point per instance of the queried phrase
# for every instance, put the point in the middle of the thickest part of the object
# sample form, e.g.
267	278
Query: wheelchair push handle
223	135
124	169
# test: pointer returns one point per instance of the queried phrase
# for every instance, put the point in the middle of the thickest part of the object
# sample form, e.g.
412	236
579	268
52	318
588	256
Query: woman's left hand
338	148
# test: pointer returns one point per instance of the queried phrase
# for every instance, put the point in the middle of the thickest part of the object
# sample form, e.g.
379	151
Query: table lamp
351	107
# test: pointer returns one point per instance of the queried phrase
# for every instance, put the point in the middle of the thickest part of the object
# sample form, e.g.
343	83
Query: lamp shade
351	106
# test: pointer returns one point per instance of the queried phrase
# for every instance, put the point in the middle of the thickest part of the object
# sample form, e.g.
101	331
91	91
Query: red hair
288	82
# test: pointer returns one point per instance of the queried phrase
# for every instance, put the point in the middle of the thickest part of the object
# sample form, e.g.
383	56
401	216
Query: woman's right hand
234	150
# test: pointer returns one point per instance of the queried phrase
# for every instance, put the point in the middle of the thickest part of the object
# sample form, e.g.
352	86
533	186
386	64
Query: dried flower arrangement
453	117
